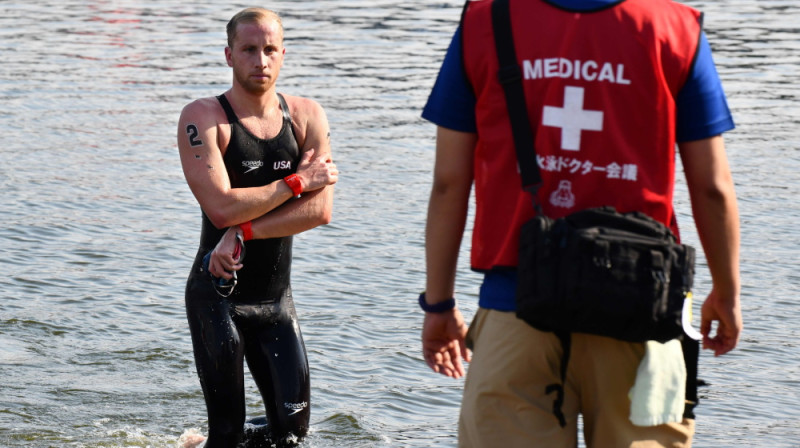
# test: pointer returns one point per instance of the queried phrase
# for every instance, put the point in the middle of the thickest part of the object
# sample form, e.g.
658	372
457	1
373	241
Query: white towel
659	394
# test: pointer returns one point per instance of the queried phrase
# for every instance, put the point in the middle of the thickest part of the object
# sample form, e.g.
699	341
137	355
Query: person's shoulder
202	106
482	6
301	104
303	109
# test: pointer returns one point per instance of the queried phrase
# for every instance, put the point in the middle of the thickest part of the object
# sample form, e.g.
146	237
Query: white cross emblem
572	118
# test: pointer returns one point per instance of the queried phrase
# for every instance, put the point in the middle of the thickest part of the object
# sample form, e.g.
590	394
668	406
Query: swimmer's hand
192	440
316	170
443	342
227	256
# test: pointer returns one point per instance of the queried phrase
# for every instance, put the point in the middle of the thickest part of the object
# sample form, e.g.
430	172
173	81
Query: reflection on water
99	227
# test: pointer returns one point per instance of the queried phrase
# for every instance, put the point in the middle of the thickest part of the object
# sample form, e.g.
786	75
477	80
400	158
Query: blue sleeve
702	108
451	103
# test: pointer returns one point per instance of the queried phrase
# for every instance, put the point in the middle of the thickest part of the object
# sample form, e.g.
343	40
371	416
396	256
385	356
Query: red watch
294	183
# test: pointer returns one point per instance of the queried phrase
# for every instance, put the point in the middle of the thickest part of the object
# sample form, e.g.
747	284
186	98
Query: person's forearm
447	213
717	218
232	206
311	210
244	204
715	212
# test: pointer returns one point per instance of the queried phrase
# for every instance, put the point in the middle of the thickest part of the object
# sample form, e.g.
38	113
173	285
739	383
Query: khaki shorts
505	404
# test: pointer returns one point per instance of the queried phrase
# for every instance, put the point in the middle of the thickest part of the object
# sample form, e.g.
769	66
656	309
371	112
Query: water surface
99	228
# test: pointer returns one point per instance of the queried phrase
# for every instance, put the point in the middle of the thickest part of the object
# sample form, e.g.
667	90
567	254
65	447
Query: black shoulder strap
566	348
284	108
287	117
510	77
226	106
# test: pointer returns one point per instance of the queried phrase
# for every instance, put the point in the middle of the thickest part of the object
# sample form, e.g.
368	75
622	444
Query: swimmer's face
257	55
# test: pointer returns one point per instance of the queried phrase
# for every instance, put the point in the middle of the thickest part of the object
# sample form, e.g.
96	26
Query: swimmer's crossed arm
317	170
203	166
204	169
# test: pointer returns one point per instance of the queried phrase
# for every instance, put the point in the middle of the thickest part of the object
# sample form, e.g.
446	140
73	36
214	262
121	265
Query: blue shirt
702	113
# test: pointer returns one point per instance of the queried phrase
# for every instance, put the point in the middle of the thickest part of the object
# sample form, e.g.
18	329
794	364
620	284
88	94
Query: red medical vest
600	88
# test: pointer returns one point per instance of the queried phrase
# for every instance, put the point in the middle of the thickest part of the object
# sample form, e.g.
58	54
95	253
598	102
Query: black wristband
440	307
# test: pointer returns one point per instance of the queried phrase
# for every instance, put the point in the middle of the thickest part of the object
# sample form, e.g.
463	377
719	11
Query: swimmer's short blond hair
251	15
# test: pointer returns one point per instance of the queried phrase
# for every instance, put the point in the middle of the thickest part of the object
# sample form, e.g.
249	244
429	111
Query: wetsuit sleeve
702	107
451	103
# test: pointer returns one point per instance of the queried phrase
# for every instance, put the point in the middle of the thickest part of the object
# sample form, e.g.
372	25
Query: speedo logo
252	165
295	407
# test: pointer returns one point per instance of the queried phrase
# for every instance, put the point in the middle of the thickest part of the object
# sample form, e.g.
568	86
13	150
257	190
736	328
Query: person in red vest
611	88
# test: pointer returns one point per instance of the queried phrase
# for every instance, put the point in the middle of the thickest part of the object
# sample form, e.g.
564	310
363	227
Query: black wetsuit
257	321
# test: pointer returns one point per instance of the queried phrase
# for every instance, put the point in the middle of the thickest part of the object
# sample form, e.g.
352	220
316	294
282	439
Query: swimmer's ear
228	56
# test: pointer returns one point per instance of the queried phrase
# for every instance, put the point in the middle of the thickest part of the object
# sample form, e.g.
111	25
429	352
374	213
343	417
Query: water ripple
100	228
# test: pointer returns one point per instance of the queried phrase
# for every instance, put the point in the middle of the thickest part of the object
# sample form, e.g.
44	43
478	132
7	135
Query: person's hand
316	171
192	440
728	315
226	257
443	342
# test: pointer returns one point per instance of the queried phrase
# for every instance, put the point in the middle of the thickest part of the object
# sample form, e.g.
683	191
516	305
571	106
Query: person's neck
259	105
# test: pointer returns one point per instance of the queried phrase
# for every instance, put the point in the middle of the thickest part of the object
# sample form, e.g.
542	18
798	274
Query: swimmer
259	164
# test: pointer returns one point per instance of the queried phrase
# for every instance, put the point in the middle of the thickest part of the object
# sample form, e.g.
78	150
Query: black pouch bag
602	272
